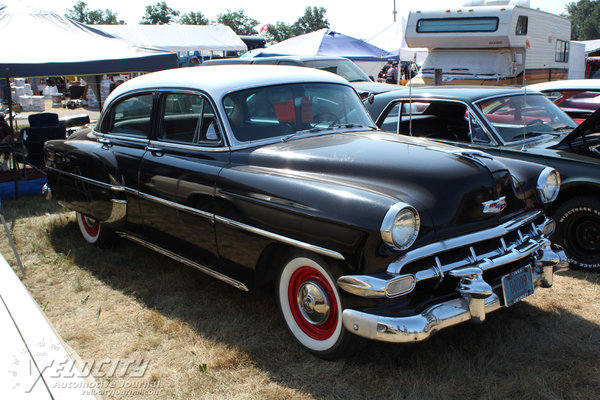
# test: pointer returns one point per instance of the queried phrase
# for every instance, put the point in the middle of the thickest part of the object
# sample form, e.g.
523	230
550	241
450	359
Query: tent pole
10	114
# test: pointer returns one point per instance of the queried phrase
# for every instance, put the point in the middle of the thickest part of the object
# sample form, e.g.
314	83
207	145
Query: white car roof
574	84
218	80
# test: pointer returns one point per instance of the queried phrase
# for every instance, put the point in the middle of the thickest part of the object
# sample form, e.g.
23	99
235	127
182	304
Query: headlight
548	185
400	226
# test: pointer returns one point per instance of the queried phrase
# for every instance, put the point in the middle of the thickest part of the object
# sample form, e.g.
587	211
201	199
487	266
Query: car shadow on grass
522	352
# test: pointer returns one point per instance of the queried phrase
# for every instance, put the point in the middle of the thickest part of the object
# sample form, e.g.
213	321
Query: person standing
392	74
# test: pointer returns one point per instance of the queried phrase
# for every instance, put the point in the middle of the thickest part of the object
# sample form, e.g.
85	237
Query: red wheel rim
91	226
308	275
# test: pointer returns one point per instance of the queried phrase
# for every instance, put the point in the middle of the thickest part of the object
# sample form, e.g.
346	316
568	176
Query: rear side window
189	119
131	116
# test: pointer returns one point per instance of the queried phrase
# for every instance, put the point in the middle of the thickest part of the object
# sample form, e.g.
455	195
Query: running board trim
184	260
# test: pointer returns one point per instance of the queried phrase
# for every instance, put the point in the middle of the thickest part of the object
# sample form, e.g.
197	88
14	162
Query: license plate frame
517	285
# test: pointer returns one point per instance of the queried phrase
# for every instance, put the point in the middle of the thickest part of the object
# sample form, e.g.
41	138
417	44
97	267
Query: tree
585	19
159	14
81	13
194	18
313	19
239	22
278	32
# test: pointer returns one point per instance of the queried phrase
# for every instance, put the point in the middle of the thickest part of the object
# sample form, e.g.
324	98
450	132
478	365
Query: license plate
517	285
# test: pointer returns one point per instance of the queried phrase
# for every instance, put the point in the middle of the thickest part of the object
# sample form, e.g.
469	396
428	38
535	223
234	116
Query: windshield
344	68
524	116
274	111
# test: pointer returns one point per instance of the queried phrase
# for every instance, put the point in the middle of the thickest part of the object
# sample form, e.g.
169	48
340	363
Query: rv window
521	25
562	51
439	25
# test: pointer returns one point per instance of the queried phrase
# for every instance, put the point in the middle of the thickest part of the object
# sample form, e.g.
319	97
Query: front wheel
310	304
578	231
93	232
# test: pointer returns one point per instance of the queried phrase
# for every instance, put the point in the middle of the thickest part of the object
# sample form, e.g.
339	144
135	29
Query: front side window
562	51
523	116
188	118
131	116
443	25
274	111
522	22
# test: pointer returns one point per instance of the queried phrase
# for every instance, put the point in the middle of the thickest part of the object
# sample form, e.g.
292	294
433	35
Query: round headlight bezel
547	190
400	213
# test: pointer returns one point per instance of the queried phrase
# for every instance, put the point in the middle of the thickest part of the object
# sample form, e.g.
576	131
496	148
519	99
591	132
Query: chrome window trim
192	147
109	136
212	217
457	242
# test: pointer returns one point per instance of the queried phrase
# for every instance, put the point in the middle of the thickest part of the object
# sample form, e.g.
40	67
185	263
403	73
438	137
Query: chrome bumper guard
476	300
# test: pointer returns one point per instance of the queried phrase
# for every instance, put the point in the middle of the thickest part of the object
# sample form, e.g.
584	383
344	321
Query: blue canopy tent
325	42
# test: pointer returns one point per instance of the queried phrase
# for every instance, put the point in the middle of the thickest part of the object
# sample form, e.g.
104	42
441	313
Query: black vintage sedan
257	174
514	123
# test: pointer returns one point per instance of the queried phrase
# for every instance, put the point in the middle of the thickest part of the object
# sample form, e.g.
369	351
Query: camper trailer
491	43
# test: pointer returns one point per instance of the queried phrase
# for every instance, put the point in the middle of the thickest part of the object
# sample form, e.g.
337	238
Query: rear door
178	175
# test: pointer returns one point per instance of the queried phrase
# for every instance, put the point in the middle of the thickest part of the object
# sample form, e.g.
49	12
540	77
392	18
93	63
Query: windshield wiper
352	126
563	128
302	132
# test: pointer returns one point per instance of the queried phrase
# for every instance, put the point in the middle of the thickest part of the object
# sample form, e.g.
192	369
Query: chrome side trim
116	188
460	241
185	261
204	214
212	218
280	238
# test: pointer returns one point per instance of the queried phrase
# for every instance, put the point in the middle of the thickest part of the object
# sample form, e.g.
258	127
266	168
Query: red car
577	97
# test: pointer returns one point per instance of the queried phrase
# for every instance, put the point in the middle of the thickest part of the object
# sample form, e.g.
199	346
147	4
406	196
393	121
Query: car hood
589	126
448	189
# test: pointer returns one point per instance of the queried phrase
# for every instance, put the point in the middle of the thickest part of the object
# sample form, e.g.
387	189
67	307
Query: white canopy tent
391	38
179	38
42	43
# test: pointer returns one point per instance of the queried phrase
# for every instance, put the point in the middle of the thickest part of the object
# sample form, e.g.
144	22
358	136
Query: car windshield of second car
281	111
525	116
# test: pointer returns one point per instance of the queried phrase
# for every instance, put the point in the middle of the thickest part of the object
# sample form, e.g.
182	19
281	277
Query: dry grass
207	340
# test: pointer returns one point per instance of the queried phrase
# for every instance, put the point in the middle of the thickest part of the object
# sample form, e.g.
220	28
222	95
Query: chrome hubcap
313	304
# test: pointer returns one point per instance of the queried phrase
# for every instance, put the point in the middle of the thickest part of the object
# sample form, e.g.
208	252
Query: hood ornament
494	206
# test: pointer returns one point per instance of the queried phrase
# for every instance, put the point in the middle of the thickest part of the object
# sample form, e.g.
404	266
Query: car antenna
524	114
414	60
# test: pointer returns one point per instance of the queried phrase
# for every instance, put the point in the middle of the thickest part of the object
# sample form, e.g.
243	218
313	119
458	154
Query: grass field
204	339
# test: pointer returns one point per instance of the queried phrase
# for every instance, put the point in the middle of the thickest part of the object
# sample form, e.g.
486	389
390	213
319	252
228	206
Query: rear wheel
93	232
578	231
310	304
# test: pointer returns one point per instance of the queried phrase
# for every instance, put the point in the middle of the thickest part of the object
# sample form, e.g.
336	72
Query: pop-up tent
42	43
179	38
325	42
391	38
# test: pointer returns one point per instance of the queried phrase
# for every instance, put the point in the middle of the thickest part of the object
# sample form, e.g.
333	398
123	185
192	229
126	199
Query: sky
357	18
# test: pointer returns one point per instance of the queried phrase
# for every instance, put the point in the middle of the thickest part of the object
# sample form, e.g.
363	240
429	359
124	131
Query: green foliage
239	22
159	14
194	18
585	19
81	13
313	19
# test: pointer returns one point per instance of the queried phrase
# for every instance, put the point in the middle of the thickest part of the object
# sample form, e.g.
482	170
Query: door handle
105	143
156	151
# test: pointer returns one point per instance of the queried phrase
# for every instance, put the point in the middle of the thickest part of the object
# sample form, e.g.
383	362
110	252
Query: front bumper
475	297
471	306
